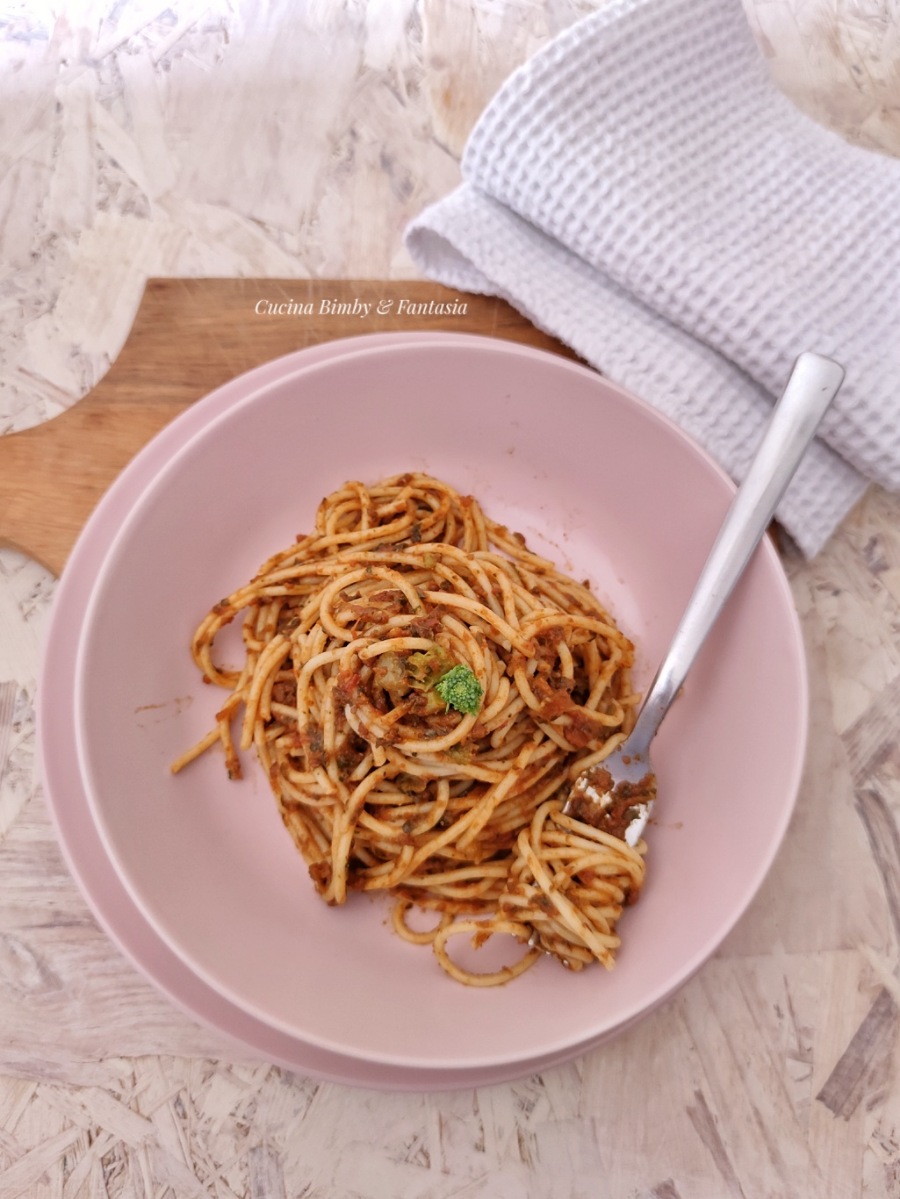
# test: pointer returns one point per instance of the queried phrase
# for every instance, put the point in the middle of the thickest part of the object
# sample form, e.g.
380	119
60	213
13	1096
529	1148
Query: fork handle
813	384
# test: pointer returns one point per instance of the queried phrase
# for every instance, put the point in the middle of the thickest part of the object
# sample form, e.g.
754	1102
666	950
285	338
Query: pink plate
591	476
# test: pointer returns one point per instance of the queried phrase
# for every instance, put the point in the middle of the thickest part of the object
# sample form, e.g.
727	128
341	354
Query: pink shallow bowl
592	477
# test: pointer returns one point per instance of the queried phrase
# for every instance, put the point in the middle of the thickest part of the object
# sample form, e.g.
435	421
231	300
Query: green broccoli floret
459	689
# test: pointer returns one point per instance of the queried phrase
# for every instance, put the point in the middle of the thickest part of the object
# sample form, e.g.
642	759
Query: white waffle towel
641	190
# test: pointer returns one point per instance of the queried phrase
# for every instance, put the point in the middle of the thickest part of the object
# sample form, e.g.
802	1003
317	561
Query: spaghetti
454	806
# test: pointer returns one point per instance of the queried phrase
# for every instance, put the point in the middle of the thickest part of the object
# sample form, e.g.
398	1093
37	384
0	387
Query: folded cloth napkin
641	190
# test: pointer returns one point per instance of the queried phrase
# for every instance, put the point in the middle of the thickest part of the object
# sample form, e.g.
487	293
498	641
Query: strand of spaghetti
432	813
342	581
568	913
398	920
370	828
394	645
387	876
478	524
270	660
358	537
604	864
309	668
481	929
308	837
592	759
515	548
542	622
223	727
455	831
210	738
515	597
473	650
604	677
480	897
425	766
440	878
343	835
464	562
342	560
429	745
576	854
202	654
436	495
196	750
267	615
496	794
434	845
523	686
496	702
486	614
587	832
311	790
501	722
334	743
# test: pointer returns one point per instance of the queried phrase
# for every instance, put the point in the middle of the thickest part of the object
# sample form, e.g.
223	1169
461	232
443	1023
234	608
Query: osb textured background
295	138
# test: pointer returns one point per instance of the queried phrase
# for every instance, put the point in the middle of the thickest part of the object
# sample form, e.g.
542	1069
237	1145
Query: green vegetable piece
459	689
425	667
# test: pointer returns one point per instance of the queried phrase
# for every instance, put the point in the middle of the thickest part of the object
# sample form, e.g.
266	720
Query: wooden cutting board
190	336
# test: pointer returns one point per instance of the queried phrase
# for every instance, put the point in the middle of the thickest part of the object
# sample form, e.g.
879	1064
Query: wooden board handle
190	336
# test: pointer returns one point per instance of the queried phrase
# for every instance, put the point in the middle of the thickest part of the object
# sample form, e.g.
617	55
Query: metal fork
618	794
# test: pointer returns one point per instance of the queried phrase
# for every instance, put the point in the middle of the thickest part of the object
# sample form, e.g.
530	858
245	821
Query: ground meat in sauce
348	682
553	695
614	816
320	873
313	743
284	691
581	729
424	626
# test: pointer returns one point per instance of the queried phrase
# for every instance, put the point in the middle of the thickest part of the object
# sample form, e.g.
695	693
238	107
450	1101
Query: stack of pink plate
193	875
